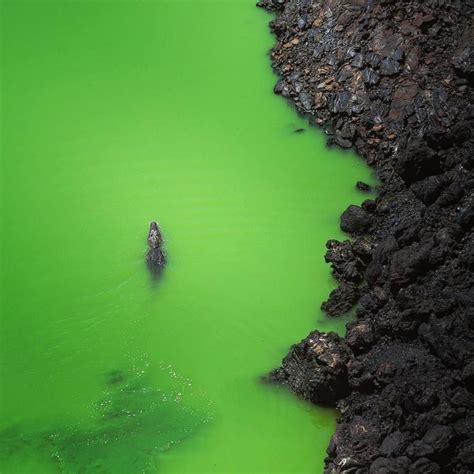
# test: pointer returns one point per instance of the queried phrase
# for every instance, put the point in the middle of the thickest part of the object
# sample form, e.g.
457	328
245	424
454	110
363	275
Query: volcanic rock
394	81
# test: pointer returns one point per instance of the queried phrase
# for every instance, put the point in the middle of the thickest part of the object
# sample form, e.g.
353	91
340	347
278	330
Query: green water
115	114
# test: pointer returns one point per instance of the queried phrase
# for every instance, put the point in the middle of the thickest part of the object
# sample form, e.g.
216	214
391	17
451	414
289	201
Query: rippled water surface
114	114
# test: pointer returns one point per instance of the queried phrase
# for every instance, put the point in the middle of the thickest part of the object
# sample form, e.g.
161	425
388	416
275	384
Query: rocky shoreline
392	80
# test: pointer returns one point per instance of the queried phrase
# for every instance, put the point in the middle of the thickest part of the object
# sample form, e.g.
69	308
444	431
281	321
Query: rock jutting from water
392	80
155	257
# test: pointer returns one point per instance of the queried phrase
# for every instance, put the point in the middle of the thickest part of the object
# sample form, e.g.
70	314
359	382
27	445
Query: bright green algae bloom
116	113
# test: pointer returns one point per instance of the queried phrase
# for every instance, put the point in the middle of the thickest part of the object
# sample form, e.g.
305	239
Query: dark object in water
155	258
115	377
300	130
364	187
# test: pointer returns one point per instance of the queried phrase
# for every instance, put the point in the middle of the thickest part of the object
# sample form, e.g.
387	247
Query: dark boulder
341	299
451	195
428	190
316	368
355	220
439	437
393	444
409	263
418	162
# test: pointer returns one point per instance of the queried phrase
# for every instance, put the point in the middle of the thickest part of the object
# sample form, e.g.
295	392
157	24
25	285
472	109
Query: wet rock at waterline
316	368
393	80
155	257
364	187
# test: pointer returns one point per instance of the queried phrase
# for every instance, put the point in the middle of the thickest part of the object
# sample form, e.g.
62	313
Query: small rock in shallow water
361	186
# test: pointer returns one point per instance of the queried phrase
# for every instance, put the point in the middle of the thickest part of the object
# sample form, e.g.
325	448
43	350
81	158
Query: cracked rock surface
393	80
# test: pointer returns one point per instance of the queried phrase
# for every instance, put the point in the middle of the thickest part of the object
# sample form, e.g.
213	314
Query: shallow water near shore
115	114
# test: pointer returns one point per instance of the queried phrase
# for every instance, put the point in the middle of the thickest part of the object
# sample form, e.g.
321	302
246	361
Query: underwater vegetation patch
130	426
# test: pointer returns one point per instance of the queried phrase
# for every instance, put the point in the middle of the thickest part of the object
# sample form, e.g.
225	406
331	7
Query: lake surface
115	114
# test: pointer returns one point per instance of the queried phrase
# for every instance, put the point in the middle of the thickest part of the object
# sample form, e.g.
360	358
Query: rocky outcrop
155	257
392	80
316	368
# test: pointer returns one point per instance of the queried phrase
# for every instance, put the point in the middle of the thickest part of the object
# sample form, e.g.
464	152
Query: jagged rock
316	368
408	263
370	76
428	190
419	449
393	444
360	336
346	261
355	220
341	300
417	163
389	67
439	437
390	466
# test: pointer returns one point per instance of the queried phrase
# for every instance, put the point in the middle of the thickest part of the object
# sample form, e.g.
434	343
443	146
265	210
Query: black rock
393	444
451	195
355	220
306	101
342	142
361	186
316	368
341	300
439	437
468	376
389	67
428	190
466	218
390	466
370	76
419	449
424	466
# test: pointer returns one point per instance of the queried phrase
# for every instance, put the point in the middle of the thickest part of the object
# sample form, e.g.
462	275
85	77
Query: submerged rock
155	257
